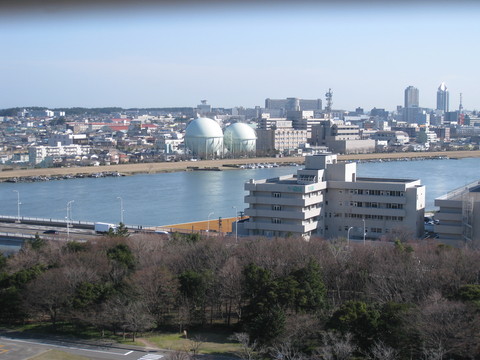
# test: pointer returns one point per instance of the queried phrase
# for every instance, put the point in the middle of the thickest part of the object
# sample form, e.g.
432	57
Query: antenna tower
328	97
460	107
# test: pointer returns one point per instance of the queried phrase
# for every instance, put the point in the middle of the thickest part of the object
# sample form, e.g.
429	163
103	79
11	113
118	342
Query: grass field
205	342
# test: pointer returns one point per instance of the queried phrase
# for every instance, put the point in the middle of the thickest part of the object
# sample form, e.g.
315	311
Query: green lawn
210	342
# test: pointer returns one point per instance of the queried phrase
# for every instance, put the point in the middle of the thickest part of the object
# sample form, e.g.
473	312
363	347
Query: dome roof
203	128
240	131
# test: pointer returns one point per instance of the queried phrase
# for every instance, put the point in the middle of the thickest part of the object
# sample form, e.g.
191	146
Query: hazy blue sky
240	55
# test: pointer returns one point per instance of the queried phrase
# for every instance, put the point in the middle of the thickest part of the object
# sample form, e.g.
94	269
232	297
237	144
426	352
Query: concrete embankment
222	164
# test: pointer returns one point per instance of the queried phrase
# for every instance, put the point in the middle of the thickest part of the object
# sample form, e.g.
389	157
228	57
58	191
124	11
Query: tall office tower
442	98
411	97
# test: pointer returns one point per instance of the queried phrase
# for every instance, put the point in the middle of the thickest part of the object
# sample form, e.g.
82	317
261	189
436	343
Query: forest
281	298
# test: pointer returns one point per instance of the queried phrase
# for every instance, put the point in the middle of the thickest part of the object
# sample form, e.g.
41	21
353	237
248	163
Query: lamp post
364	232
348	235
69	217
18	205
236	233
208	222
121	209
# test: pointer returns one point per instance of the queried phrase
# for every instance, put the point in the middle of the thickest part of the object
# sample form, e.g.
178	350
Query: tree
37	243
311	289
358	318
451	326
421	137
268	325
248	349
336	347
194	287
48	294
122	255
158	288
381	351
120	231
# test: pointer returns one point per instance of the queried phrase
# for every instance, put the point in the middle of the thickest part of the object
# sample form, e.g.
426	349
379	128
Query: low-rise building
327	199
459	216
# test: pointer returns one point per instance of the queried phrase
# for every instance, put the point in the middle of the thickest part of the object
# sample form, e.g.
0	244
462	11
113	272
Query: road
23	348
62	234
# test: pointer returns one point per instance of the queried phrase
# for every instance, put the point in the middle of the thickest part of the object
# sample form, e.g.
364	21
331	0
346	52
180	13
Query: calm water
163	199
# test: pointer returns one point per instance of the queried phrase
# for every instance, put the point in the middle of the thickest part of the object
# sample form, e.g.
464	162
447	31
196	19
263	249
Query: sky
238	54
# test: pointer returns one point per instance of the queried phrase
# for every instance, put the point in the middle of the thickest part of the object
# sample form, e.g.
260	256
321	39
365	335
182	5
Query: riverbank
222	164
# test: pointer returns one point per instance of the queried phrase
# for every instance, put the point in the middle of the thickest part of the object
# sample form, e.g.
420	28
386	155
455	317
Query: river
171	198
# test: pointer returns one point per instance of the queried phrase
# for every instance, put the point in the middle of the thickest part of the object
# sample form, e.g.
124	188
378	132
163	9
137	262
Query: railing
72	223
17	235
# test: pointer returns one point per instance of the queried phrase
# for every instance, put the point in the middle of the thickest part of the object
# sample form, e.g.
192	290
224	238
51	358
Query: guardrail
17	235
72	223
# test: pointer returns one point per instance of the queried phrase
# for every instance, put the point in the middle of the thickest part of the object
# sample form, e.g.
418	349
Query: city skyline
238	55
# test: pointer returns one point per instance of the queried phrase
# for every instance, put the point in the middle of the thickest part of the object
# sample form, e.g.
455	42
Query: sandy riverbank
223	164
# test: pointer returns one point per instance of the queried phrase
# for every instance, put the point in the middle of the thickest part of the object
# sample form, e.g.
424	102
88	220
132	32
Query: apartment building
459	216
280	138
327	199
37	154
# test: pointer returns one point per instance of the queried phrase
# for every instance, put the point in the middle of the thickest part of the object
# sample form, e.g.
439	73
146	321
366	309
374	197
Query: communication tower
328	108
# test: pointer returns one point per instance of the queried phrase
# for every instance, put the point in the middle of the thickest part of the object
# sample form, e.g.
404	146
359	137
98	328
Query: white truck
101	227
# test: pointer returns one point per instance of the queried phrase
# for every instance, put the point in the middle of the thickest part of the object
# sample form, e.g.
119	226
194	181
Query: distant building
340	138
411	97
393	138
67	139
291	104
204	108
459	216
442	98
37	154
327	199
280	140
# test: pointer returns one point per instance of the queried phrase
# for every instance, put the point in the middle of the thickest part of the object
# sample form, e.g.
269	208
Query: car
50	232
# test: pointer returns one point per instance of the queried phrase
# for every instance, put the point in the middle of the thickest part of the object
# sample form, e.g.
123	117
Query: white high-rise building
327	199
442	98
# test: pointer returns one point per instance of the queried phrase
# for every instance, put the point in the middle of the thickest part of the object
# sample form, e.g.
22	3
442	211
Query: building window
276	221
276	194
276	207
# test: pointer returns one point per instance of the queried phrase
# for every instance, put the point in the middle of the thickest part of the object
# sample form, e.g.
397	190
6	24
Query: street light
208	221
236	232
121	209
69	217
18	205
348	235
364	232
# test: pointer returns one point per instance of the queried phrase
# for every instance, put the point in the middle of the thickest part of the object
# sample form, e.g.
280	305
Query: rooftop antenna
328	108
